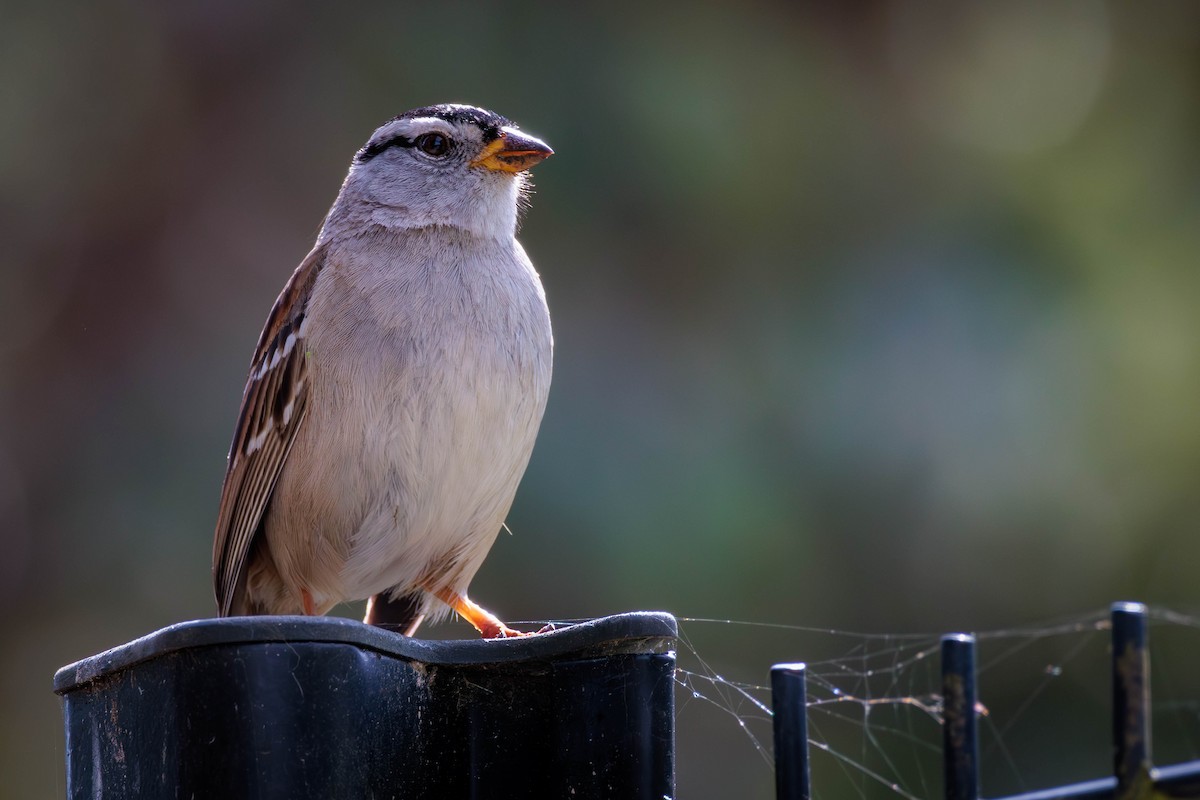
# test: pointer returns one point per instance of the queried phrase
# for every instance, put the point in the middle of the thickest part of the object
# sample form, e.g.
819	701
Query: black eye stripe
372	149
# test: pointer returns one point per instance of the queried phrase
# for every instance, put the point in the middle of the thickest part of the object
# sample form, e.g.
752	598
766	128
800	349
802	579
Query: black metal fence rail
295	708
1134	775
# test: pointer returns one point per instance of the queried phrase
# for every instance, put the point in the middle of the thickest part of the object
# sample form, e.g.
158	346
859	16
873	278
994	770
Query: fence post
1131	695
308	708
789	701
960	740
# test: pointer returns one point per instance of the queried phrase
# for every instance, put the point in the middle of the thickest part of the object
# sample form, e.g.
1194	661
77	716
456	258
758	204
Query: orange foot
484	621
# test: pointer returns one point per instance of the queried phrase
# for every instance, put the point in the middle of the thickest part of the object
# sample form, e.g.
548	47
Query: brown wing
273	409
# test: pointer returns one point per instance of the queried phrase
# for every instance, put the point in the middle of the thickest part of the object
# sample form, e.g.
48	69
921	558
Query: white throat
487	209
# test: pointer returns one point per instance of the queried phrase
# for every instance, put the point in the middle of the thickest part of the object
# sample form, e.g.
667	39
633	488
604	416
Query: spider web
875	710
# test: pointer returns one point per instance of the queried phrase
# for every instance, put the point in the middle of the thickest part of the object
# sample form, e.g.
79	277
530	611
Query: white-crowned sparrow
397	387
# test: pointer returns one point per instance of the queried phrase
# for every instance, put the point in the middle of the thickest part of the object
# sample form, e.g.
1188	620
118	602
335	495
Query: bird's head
449	164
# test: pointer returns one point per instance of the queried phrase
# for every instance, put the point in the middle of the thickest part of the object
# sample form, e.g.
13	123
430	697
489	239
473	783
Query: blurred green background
880	316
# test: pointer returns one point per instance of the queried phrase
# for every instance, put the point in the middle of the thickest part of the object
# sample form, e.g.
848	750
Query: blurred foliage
871	315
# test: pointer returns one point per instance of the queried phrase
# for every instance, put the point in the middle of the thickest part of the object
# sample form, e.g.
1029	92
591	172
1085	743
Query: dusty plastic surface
299	707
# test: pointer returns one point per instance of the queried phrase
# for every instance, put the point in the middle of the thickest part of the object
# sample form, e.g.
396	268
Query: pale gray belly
421	443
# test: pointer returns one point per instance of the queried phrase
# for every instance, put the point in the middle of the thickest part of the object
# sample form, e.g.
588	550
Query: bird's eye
433	144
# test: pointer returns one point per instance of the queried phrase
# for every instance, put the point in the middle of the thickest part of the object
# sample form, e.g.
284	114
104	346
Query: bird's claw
501	631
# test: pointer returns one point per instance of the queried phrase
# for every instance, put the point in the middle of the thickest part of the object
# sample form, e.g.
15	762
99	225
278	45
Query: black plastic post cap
299	707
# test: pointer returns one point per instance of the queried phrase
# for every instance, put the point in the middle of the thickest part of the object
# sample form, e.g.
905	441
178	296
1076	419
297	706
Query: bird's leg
484	621
310	608
403	614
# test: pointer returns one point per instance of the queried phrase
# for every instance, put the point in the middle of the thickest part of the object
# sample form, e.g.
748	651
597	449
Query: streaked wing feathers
273	409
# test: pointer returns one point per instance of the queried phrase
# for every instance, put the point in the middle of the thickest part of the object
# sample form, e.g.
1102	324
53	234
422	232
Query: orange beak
513	152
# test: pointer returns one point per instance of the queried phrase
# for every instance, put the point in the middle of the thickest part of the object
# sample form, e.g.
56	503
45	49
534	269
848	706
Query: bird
397	387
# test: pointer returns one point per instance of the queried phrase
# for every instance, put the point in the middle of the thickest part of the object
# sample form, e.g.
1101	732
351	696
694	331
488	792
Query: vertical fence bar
960	739
1131	694
789	702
